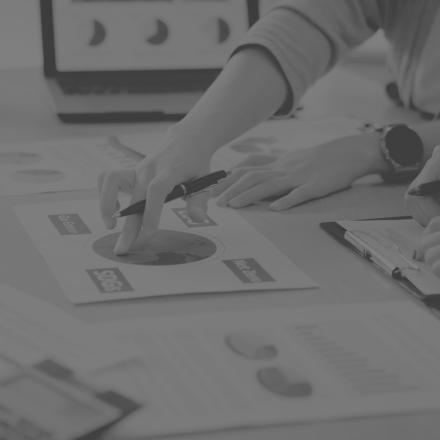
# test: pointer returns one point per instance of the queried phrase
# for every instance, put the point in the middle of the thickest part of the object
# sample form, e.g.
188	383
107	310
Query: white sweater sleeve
305	38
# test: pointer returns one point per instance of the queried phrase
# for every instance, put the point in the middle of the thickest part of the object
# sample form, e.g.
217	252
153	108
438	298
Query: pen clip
381	258
187	194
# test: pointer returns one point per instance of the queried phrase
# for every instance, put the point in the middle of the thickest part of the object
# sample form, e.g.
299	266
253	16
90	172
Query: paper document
42	350
222	254
251	368
276	137
272	137
60	165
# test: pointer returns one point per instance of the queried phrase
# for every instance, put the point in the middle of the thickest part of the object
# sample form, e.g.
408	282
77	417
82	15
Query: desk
25	114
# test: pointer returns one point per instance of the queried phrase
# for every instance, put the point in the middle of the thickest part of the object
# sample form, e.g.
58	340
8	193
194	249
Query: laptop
136	60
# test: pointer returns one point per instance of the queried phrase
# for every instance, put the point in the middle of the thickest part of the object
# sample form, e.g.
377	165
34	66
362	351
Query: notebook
135	60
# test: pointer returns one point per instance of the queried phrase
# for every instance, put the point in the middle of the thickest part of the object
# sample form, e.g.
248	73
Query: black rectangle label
248	270
109	280
182	213
69	224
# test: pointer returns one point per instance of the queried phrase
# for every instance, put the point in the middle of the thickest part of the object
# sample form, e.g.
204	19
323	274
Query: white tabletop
26	114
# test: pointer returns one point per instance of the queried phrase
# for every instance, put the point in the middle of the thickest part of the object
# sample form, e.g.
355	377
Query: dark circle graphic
251	345
167	248
161	34
284	382
38	175
224	31
98	33
19	157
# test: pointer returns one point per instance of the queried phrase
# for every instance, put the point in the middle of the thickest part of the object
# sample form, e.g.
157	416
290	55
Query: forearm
249	90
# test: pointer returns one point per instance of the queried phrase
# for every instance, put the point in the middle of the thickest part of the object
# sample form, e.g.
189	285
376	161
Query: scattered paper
60	165
250	368
42	350
222	254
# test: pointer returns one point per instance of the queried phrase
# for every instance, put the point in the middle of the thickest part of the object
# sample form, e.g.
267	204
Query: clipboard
411	275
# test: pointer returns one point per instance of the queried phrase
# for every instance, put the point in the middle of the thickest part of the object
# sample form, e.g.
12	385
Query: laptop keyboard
75	88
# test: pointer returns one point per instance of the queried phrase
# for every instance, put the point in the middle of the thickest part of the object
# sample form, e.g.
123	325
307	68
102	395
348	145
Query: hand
301	175
178	161
423	209
429	249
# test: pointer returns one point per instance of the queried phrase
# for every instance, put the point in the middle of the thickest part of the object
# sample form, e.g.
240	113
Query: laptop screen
121	35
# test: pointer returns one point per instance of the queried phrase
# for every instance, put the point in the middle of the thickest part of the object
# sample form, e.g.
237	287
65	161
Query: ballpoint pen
184	189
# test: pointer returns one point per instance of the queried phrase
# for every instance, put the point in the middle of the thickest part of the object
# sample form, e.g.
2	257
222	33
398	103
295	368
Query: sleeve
305	38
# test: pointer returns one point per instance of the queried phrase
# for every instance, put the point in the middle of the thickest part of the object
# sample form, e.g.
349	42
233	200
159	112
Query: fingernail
221	202
275	207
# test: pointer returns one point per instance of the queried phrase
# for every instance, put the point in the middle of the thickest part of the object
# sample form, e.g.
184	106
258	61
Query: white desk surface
25	114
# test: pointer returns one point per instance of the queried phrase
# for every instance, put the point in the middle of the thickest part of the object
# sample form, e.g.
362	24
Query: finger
197	206
257	160
428	241
255	194
433	225
109	186
432	254
431	170
299	195
157	191
423	209
133	223
235	175
243	184
436	268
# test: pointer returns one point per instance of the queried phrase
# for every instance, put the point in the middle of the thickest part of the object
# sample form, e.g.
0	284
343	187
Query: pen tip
116	215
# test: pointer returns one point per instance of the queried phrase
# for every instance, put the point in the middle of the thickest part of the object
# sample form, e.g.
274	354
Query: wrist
371	154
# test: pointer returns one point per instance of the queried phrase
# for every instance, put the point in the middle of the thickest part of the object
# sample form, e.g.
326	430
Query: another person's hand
423	209
178	161
429	248
301	175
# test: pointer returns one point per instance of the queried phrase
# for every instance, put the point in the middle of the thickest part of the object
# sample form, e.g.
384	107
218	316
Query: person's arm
249	90
304	40
429	132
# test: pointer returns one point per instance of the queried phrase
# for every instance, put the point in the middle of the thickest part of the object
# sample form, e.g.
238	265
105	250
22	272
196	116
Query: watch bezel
398	172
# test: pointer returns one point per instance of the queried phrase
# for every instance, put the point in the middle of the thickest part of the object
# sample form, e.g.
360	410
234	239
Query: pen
426	189
383	262
182	190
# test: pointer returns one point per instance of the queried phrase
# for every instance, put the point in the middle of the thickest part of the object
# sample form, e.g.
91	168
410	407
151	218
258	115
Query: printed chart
249	368
222	254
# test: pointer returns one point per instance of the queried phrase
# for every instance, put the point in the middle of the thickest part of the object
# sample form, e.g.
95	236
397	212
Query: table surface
26	114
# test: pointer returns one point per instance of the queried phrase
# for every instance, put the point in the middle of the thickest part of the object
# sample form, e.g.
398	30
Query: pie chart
216	30
166	248
224	31
160	35
99	33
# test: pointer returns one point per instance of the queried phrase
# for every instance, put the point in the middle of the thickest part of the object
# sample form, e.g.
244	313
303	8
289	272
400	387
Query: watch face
404	145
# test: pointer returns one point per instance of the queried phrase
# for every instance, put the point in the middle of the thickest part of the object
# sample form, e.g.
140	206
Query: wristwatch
402	149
